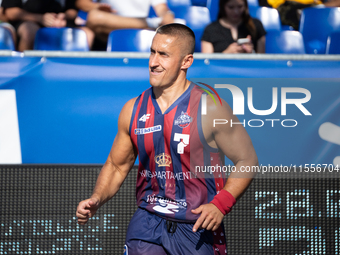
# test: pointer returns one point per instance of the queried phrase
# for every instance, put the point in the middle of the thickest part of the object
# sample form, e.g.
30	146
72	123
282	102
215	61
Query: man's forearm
108	183
238	181
16	13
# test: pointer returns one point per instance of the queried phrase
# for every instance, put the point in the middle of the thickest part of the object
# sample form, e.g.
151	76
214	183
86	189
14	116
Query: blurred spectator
233	23
290	11
109	15
5	24
27	16
332	3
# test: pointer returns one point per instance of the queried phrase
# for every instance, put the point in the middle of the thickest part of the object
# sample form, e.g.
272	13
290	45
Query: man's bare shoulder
128	106
126	113
218	108
219	118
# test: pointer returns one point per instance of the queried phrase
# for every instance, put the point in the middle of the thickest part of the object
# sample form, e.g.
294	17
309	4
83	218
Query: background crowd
23	18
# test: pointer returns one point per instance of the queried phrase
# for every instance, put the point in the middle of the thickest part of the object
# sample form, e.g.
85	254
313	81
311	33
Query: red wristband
224	201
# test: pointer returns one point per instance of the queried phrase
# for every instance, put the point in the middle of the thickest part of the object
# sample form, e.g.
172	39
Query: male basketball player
180	209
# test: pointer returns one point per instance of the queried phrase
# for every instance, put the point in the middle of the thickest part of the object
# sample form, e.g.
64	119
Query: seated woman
233	23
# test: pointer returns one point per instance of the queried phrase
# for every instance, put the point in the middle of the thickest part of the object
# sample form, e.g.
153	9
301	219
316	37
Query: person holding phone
234	31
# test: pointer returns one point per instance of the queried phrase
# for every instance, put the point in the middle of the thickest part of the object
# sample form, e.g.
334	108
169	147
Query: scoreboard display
275	215
286	216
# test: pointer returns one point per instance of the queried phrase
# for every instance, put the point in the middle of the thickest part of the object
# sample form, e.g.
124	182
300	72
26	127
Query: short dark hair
179	30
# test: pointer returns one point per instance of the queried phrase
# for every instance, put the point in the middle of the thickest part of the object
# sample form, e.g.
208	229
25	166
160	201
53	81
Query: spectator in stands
109	15
290	11
5	24
27	16
233	23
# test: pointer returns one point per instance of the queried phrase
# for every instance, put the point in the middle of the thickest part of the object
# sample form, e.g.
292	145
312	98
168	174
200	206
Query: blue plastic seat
287	27
269	17
253	3
197	18
284	42
137	40
6	39
333	43
64	39
213	7
315	26
199	3
173	6
175	3
82	14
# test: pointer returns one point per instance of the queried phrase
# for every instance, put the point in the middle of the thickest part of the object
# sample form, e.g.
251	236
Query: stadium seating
175	3
173	6
199	2
213	7
253	2
82	15
64	39
287	27
137	40
268	16
315	26
197	18
284	42
6	39
333	43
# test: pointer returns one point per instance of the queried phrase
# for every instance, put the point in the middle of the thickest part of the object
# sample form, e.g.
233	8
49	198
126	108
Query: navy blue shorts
150	234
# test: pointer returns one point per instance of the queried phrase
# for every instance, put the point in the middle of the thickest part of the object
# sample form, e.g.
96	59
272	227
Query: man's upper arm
233	140
123	153
231	137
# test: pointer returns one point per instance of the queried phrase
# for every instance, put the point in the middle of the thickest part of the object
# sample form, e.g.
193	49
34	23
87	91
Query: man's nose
153	61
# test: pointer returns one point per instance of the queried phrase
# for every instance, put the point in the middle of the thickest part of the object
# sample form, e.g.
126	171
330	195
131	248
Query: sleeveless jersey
173	156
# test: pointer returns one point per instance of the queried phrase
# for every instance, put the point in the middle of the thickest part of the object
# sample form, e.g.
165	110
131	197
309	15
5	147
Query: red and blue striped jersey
171	149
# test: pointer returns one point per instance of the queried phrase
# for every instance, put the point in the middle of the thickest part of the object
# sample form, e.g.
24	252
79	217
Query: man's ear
187	61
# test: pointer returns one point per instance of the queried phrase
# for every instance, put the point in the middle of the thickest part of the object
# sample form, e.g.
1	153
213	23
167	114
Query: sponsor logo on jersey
183	120
166	208
143	131
163	159
145	117
165	205
168	175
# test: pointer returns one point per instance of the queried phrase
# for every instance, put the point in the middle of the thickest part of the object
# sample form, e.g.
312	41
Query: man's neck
165	97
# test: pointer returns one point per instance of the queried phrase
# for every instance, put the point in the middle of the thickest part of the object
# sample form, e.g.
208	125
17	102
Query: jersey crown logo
163	159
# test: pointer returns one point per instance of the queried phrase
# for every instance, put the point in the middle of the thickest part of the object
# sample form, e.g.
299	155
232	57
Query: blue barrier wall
67	107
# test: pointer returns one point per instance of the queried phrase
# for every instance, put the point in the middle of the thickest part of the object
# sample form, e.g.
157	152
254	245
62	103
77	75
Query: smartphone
243	40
